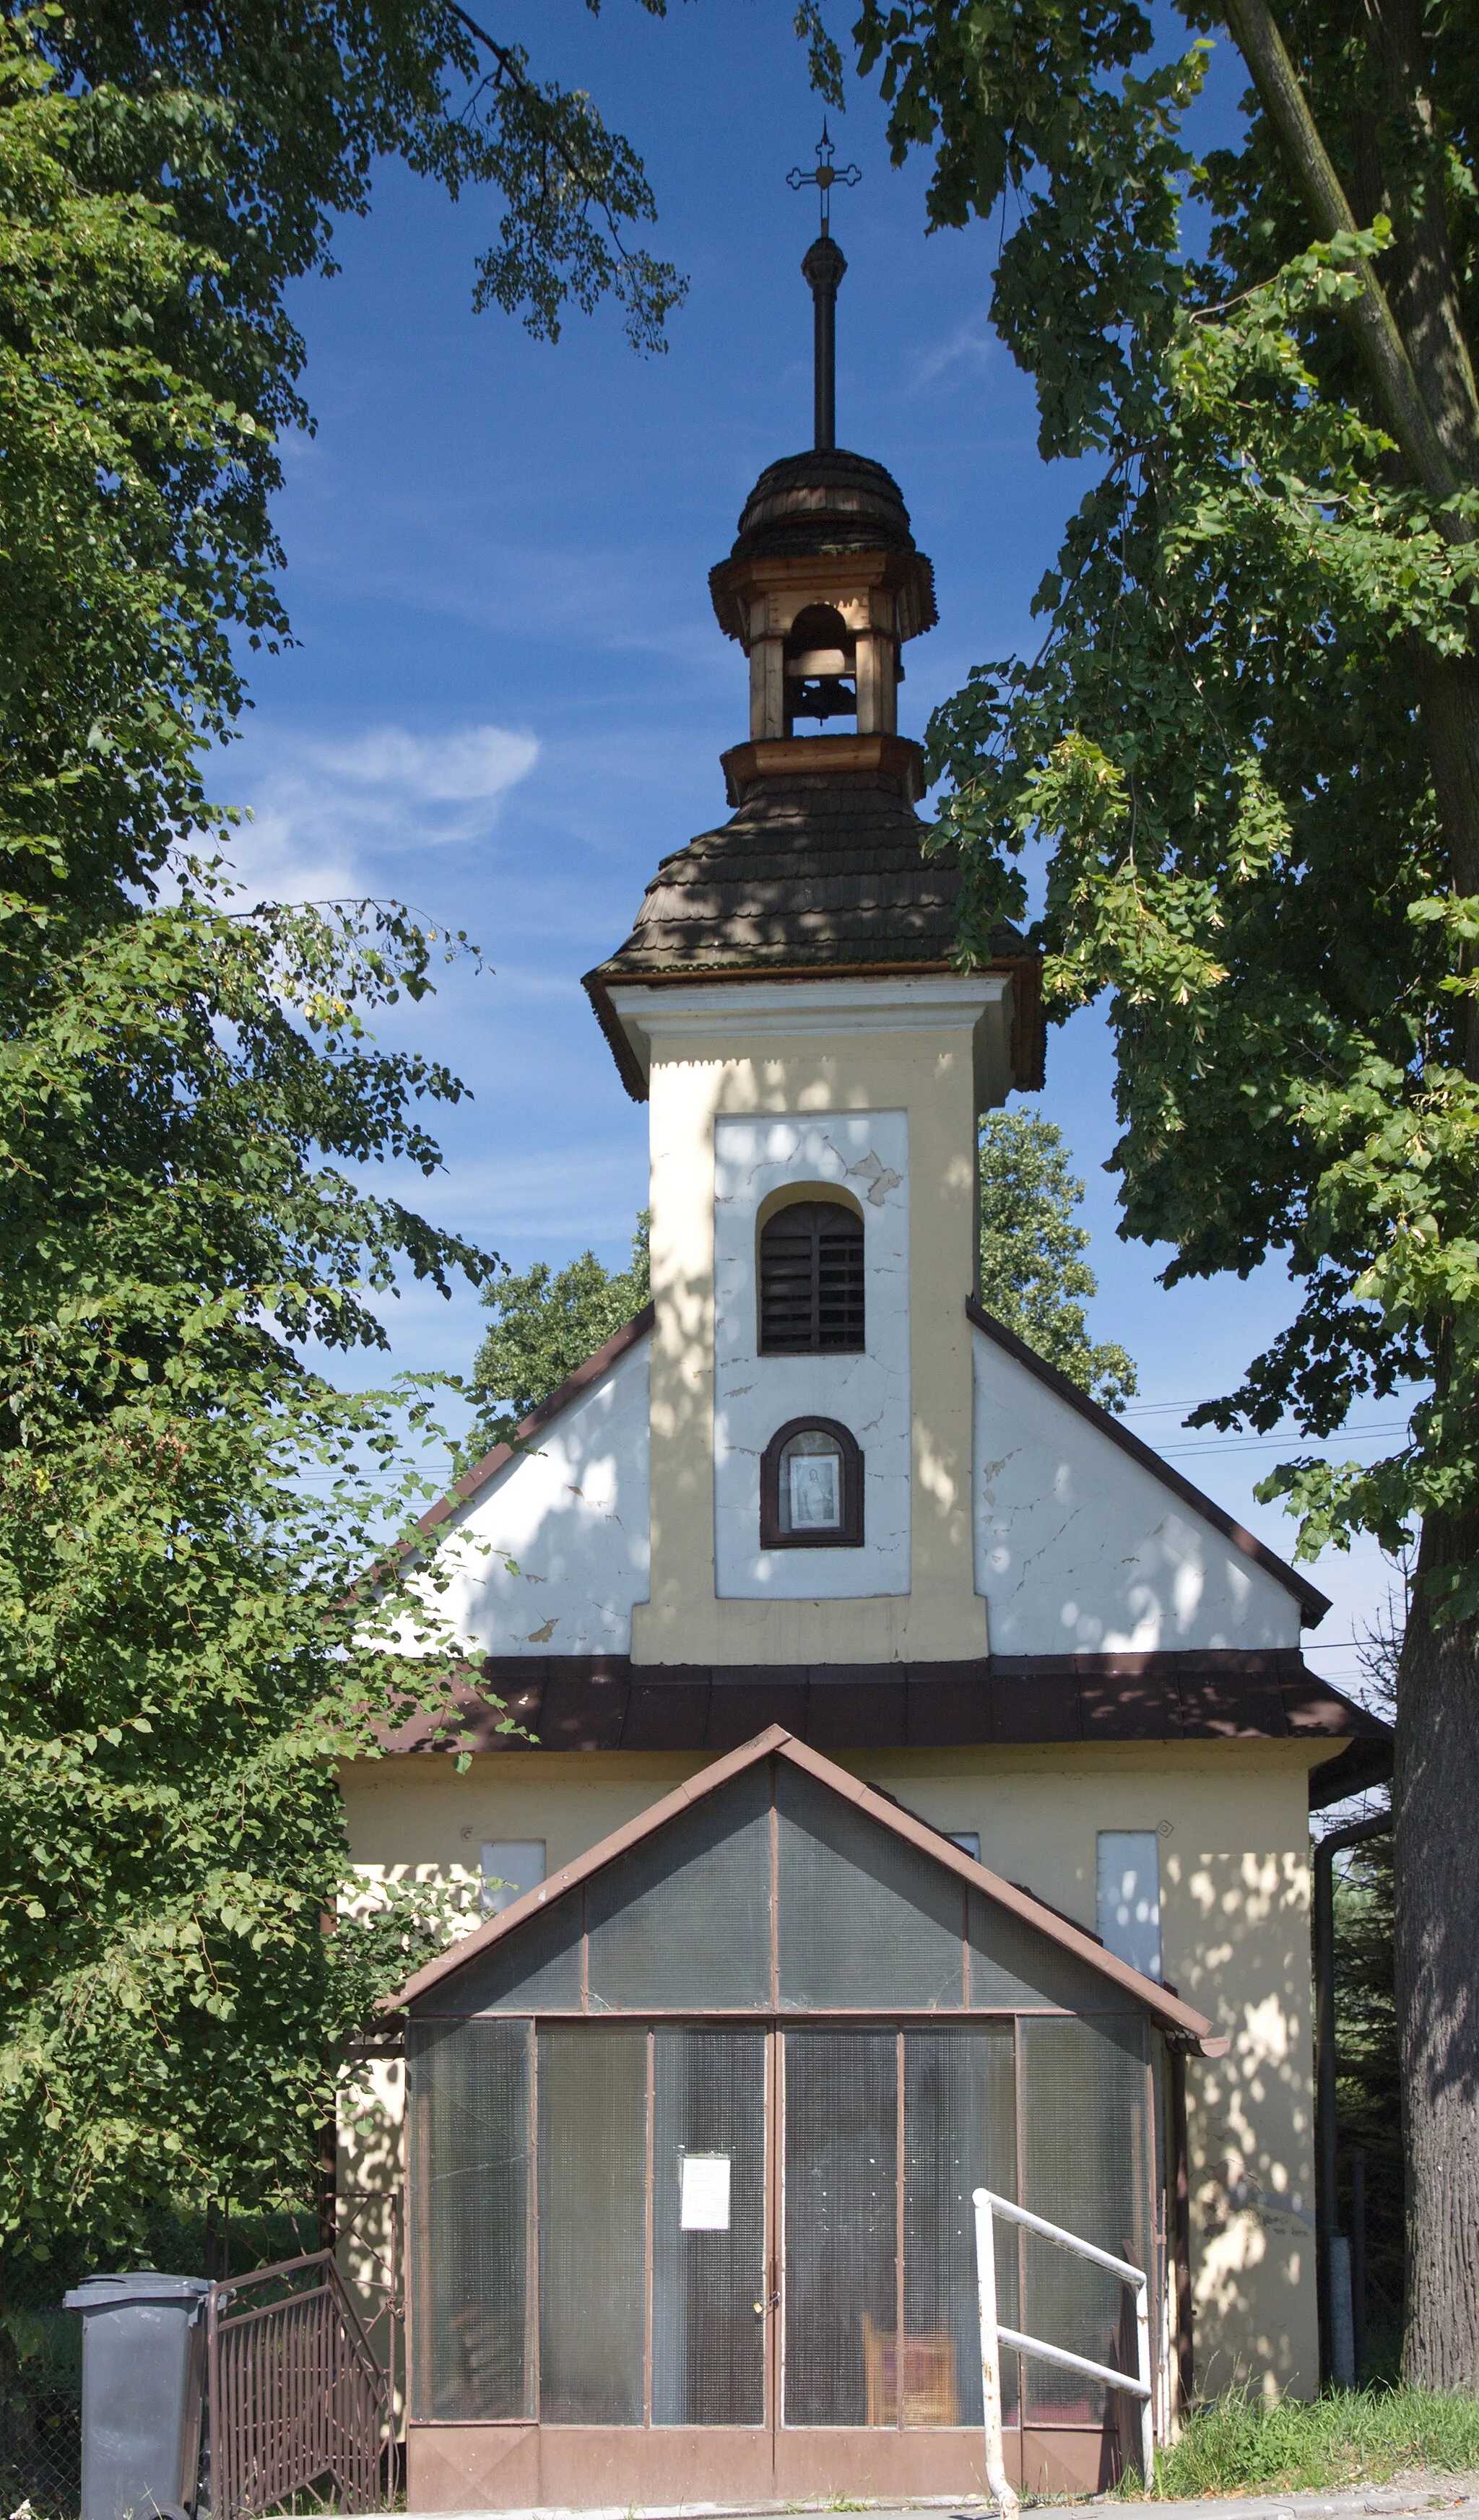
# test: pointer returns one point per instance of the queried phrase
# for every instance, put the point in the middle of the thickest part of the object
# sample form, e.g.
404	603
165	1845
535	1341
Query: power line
1291	1436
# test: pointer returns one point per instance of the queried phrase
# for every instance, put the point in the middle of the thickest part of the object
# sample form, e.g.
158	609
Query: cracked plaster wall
866	1152
572	1516
1080	1550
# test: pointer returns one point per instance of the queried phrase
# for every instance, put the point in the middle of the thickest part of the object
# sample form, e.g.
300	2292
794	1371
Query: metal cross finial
824	175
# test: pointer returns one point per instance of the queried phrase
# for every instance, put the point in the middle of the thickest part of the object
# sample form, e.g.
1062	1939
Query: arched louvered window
811	1280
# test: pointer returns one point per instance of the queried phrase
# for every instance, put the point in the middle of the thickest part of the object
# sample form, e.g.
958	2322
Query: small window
811	1281
811	1487
1129	1897
511	1865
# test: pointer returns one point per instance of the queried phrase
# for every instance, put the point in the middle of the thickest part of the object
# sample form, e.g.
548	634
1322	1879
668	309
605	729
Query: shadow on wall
1251	2128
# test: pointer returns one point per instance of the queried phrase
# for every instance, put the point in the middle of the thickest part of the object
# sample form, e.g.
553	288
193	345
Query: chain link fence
41	2343
40	2392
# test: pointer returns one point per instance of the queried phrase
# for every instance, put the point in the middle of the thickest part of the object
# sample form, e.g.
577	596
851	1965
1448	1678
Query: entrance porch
693	2136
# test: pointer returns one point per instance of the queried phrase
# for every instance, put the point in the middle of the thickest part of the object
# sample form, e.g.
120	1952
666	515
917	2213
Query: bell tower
823	584
791	1006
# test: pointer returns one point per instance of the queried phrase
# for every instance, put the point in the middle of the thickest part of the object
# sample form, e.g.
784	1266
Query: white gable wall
573	1513
1078	1550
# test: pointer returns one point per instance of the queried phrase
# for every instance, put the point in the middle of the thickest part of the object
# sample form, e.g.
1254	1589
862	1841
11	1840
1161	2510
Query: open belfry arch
885	1775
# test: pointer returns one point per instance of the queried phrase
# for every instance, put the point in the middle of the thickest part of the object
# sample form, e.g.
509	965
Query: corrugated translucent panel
468	2089
842	2183
1014	1965
867	1921
708	2227
592	2223
1085	2166
959	2134
534	1969
683	1920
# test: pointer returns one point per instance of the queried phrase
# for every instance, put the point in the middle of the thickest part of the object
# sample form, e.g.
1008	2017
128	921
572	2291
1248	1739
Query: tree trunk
1435	1799
1420	365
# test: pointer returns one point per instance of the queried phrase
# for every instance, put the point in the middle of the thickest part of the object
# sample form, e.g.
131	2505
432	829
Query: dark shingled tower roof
818	874
826	500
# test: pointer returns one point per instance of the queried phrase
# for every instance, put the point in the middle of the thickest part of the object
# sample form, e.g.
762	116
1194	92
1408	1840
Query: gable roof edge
1312	1604
463	1490
1181	2019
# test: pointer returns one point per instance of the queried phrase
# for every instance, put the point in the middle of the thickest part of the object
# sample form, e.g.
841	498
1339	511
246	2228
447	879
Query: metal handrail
994	2336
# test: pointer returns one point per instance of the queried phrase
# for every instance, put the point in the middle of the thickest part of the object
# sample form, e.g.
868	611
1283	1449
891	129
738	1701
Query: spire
823	267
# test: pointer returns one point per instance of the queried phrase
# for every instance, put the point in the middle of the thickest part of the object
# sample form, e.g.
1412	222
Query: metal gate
296	2400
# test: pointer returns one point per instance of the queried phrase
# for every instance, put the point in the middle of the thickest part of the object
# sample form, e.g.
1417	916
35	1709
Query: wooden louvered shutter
811	1281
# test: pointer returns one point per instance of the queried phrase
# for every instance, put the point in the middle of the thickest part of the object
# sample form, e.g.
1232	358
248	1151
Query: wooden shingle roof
814	875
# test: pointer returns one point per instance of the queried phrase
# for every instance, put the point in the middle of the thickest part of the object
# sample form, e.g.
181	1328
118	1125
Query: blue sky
509	693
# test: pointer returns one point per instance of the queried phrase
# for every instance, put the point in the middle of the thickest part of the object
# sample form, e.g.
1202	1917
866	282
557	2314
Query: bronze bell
827	696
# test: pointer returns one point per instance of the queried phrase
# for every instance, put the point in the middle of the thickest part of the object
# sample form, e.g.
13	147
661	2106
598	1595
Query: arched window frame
809	1195
850	1534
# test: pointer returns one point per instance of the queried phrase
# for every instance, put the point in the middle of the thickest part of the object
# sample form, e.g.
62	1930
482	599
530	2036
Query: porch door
709	2247
886	2132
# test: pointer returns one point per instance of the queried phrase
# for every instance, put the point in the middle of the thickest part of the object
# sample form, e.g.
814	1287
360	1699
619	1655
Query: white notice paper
705	2192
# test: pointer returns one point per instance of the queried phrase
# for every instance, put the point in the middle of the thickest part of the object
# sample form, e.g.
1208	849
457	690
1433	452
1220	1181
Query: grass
1241	2443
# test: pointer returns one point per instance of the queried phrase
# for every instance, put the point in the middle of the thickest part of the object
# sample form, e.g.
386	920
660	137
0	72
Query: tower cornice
755	596
896	759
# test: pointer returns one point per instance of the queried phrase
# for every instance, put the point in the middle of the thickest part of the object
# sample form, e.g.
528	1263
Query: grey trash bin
143	2380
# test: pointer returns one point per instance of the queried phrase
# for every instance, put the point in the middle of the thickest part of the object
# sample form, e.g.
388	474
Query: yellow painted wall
930	1075
1234	1892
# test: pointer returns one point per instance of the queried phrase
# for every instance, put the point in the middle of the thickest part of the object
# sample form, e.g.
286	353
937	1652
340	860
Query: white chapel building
909	1773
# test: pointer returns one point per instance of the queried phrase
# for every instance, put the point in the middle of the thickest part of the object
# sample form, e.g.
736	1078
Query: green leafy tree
185	1507
1034	1275
547	1323
189	1093
301	97
1249	745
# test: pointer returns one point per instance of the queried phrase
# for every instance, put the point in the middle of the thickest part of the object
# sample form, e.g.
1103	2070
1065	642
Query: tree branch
509	68
508	61
1377	333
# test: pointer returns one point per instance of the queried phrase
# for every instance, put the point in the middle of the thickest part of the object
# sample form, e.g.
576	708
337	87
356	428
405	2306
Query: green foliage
1034	1277
188	1089
1368	2043
547	1323
1238	739
1242	2444
301	98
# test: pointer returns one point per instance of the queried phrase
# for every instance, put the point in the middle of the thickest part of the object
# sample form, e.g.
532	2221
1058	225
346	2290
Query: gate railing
296	2395
994	2336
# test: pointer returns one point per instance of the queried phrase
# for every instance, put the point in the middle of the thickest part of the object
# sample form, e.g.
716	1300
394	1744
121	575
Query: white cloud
321	812
476	764
574	1196
972	344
